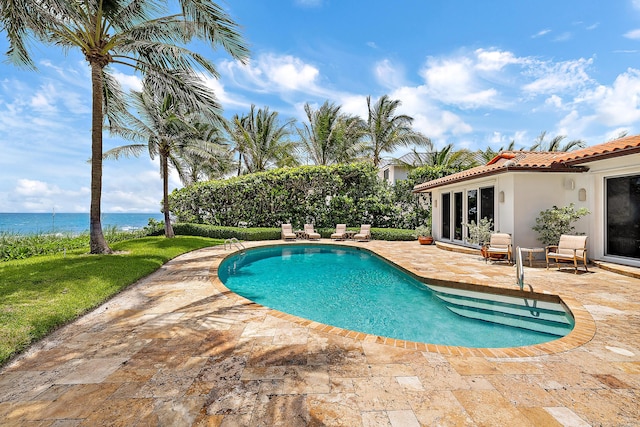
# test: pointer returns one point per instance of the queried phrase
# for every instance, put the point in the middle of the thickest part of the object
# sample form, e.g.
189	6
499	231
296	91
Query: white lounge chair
340	233
310	232
364	235
287	232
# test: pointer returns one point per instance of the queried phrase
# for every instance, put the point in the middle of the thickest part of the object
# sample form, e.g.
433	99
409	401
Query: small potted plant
423	233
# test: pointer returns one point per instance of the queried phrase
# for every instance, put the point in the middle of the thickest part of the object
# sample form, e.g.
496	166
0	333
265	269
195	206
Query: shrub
252	234
554	222
480	233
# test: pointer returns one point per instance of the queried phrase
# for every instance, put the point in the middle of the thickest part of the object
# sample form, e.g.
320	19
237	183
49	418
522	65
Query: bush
253	234
219	232
554	222
480	233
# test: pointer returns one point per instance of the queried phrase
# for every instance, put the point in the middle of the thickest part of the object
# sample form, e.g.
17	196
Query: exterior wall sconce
582	195
501	197
569	184
435	203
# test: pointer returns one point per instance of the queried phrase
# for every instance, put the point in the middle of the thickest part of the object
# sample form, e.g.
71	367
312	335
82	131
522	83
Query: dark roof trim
421	188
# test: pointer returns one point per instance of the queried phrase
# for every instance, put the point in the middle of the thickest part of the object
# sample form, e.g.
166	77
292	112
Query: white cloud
494	60
619	104
558	77
636	4
128	81
633	34
273	73
452	81
388	74
541	33
554	101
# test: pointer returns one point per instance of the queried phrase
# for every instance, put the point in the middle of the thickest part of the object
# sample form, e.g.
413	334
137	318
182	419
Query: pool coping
584	329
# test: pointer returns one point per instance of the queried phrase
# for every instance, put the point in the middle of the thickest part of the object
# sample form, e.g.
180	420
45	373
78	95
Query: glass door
446	216
457	215
623	216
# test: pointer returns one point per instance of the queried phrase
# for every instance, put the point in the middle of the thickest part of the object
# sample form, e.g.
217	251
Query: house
515	186
393	170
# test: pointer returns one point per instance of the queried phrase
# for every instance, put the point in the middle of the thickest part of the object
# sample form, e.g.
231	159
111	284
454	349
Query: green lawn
39	294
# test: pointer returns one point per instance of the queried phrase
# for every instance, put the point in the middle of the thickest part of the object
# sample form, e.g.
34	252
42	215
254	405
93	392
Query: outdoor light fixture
501	197
582	194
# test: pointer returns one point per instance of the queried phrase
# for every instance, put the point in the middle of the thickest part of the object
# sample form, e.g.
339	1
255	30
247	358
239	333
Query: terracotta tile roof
618	147
540	161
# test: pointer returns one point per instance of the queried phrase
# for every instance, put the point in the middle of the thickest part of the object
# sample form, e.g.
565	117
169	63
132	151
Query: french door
623	216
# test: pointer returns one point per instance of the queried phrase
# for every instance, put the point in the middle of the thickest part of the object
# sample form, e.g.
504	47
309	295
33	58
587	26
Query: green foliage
254	234
40	294
15	246
320	195
480	233
554	222
422	231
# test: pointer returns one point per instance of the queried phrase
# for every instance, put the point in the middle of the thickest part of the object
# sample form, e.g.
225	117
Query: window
623	216
487	204
446	216
386	174
457	216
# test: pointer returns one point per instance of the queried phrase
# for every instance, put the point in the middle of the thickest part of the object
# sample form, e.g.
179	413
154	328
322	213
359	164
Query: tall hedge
321	195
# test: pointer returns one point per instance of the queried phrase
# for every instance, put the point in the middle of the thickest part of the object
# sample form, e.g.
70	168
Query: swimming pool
353	289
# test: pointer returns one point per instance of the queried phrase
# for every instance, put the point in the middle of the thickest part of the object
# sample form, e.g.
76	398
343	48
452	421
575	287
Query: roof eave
603	156
423	189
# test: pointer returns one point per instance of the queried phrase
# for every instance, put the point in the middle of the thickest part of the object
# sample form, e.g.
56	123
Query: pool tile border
583	331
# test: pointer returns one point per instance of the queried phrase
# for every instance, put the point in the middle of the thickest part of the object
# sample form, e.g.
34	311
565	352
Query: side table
530	252
349	235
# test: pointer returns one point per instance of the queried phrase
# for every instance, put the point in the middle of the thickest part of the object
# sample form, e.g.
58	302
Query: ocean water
74	223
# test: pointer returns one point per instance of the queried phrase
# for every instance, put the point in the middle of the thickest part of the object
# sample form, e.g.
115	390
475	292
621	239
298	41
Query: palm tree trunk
97	241
164	164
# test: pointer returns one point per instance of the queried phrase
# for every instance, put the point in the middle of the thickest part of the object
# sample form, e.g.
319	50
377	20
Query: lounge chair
364	235
287	232
310	232
499	248
570	249
340	233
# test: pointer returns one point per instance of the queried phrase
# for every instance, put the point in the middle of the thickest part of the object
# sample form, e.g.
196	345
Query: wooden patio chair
499	248
569	249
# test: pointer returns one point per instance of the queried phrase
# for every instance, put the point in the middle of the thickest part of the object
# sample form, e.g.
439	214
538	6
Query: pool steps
526	313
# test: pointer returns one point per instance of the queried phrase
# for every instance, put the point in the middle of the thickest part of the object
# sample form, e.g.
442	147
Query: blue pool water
355	290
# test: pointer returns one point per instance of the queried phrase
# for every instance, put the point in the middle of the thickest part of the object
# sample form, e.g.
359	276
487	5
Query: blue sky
475	74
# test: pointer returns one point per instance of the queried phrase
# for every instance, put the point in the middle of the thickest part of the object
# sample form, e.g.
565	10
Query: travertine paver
179	349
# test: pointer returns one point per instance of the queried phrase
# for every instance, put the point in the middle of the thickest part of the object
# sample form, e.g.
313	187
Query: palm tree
215	162
555	144
387	131
145	35
171	133
330	136
261	141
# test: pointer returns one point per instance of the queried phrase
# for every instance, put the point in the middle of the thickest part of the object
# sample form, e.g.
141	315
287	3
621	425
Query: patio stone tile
489	407
79	401
92	371
120	412
544	417
403	419
306	379
440	408
379	393
333	410
375	419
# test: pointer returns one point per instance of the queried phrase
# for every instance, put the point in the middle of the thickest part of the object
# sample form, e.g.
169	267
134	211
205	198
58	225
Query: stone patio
177	348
